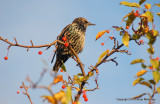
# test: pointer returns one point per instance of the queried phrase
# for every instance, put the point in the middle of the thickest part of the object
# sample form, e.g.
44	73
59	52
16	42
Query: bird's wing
62	34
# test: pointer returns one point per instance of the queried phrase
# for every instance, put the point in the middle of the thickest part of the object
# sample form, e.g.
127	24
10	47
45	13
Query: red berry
64	38
136	14
97	71
89	72
66	44
6	58
85	99
107	31
74	103
84	96
63	86
21	87
127	27
111	38
17	92
102	44
141	41
157	58
61	70
40	52
151	68
84	91
137	11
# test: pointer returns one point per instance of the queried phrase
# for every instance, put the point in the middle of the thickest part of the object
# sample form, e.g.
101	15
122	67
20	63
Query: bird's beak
90	24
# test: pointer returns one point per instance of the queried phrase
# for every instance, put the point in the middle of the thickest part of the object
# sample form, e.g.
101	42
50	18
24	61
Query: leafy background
42	21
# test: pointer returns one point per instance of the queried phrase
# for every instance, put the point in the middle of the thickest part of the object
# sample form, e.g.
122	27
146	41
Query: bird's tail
57	65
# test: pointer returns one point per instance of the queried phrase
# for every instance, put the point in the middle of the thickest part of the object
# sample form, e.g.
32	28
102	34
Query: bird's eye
86	21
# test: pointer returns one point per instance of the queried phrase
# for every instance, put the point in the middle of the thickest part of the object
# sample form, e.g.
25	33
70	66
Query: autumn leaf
100	34
141	1
102	55
137	81
147	6
155	63
146	84
141	72
149	15
125	39
125	3
58	79
156	76
158	90
137	61
158	14
157	4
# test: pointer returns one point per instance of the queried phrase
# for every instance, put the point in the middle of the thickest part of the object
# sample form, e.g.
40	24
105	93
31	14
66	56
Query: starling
75	36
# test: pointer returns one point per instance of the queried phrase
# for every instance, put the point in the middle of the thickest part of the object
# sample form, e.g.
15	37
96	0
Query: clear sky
42	21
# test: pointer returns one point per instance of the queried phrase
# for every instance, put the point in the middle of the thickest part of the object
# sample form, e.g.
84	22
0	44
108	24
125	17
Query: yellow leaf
130	4
50	99
156	76
100	34
157	4
137	81
59	95
58	79
140	73
137	61
149	16
125	39
147	6
102	55
158	14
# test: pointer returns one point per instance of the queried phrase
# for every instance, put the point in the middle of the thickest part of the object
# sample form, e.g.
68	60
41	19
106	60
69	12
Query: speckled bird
75	36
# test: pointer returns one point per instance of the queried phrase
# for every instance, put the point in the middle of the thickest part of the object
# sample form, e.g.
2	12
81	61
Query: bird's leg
78	61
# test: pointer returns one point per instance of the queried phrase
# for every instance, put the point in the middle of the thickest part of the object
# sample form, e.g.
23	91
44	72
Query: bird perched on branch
73	35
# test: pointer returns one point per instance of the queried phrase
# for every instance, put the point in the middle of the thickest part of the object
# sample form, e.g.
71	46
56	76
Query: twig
26	92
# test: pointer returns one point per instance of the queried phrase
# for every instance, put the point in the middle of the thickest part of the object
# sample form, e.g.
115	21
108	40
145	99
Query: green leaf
151	38
130	4
139	96
152	82
137	81
137	61
143	65
149	16
125	39
63	67
158	89
130	19
77	80
136	36
79	74
156	76
102	55
68	93
157	4
146	84
155	63
84	79
141	1
151	49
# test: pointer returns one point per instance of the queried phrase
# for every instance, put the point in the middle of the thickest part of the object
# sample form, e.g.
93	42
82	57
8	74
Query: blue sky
41	21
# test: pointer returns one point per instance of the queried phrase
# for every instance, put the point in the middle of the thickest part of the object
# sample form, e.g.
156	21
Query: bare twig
26	92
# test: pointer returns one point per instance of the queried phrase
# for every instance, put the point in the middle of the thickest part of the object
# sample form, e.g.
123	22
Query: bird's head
82	21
